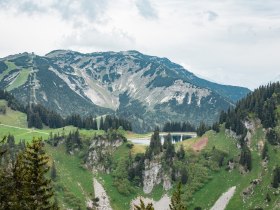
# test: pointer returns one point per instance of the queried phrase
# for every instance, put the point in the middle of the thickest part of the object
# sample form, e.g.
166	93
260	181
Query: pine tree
176	200
155	146
276	177
246	157
142	206
53	172
181	153
184	176
101	124
265	151
38	189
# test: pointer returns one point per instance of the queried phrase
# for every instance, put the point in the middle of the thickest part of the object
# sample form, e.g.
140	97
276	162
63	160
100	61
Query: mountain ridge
128	83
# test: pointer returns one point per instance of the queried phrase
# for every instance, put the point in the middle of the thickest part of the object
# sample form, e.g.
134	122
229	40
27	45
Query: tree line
24	184
178	127
262	104
38	115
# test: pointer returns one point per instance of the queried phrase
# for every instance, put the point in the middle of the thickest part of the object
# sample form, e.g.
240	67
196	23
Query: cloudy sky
233	42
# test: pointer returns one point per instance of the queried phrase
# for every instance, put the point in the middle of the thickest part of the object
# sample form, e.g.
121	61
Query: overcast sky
233	42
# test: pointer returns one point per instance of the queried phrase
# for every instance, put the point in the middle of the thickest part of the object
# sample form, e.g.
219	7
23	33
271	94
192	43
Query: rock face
154	175
147	90
100	151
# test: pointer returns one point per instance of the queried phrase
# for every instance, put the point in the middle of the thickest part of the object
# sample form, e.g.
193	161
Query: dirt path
200	144
162	204
222	202
27	129
104	203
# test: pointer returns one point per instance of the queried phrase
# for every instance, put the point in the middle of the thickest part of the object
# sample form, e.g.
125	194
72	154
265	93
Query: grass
11	66
14	118
15	123
138	148
117	200
20	80
222	180
137	135
74	182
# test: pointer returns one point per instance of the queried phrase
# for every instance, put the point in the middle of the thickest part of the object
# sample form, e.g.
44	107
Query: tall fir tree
38	189
176	199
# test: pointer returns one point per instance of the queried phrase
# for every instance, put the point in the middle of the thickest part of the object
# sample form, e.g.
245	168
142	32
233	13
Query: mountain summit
147	90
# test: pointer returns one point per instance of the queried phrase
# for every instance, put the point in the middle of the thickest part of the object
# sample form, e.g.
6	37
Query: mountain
147	90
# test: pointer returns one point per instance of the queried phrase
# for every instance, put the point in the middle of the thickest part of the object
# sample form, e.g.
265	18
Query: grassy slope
11	66
12	117
69	168
20	80
119	201
15	123
222	180
74	183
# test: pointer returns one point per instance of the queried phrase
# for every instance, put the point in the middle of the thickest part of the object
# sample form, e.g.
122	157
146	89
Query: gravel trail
222	202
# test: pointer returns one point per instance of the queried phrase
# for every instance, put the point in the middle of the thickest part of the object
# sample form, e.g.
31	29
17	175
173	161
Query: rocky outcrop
100	152
154	175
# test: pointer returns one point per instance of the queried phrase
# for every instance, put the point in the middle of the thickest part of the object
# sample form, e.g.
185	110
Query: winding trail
27	129
104	203
222	202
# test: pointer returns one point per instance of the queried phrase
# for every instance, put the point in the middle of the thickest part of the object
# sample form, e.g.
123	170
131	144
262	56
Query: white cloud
146	9
234	42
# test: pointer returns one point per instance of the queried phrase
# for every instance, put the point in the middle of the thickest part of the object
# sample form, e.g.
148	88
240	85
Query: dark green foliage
38	114
38	187
73	141
178	127
142	206
202	128
272	137
24	184
136	168
265	151
101	124
155	146
176	199
34	120
53	172
216	127
262	102
121	178
181	153
3	110
267	197
54	139
11	150
75	120
169	149
246	157
184	176
276	177
12	102
3	67
112	122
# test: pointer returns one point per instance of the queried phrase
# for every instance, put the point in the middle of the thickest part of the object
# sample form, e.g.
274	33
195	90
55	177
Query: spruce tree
38	189
101	124
142	206
53	172
265	151
176	199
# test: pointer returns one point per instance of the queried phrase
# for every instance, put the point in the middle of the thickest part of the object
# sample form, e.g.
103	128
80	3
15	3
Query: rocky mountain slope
147	90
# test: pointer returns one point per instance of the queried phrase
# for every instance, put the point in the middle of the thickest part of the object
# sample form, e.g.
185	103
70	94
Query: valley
100	162
139	105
